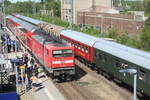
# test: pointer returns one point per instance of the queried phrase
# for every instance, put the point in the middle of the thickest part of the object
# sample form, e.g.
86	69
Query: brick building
121	22
69	8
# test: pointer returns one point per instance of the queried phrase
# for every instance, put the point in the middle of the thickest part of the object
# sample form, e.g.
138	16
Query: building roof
79	36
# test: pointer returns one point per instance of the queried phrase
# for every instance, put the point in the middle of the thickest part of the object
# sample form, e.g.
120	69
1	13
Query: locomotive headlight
56	62
68	61
65	61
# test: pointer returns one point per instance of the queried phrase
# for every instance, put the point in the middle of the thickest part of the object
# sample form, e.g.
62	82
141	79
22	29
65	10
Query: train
56	56
107	57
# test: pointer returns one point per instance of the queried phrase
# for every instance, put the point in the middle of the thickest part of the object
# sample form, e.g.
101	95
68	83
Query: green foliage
112	33
145	37
92	31
135	5
147	6
20	7
123	39
27	7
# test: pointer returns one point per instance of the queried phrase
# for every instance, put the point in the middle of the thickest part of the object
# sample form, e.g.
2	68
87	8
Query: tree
145	37
147	6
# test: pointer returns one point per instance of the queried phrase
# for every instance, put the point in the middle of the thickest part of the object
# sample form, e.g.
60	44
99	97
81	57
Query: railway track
72	91
92	86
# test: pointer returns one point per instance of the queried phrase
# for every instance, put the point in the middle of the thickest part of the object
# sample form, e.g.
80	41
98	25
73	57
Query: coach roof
122	53
79	36
34	21
23	24
127	48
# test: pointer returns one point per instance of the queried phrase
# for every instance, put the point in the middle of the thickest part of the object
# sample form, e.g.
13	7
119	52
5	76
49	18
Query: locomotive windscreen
62	53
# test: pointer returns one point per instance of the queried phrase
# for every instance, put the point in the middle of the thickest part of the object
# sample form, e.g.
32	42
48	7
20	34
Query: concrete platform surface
46	90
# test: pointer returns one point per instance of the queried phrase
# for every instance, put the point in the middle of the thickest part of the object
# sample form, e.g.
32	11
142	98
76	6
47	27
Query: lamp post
134	72
3	7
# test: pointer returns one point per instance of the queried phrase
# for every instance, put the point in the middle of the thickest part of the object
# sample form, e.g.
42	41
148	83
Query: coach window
104	58
82	49
124	65
118	63
72	44
75	45
142	75
79	47
149	78
86	50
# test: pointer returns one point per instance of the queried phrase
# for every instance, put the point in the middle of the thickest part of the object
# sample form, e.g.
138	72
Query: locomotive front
62	61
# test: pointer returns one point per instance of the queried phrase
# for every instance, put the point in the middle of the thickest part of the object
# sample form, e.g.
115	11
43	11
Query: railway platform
45	90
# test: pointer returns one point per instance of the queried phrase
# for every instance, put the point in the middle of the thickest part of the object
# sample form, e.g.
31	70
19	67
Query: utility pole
71	13
44	7
34	8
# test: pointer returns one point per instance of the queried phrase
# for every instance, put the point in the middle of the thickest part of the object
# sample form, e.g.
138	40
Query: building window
142	75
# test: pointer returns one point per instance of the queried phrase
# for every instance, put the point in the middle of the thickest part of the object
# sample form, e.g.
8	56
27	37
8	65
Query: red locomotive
83	46
56	56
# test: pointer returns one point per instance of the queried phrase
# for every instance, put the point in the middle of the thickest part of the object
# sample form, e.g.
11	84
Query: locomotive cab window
142	75
62	53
